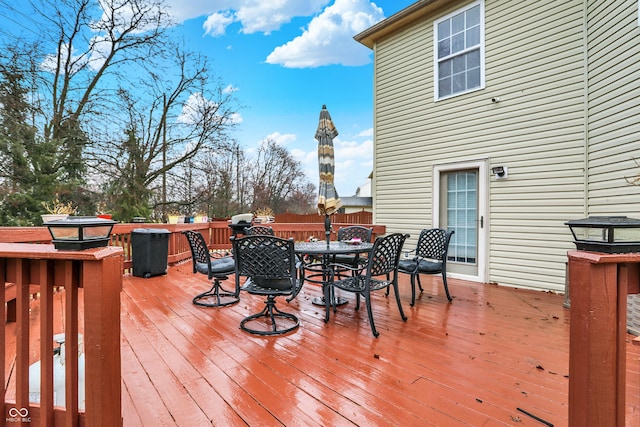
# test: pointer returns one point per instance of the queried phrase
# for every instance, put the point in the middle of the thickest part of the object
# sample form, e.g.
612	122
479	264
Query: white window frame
436	96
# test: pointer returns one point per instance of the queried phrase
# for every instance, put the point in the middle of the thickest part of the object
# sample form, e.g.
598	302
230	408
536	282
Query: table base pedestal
321	301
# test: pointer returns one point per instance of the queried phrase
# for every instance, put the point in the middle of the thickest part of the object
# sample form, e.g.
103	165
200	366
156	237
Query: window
459	52
462	215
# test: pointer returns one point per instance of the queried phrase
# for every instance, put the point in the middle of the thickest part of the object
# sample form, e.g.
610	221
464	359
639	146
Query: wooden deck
473	362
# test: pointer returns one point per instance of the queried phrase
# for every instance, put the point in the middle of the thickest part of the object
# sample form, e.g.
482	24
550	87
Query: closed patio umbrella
328	199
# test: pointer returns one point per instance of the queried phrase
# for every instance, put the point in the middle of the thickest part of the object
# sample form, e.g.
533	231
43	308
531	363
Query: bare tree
169	119
221	193
70	53
276	178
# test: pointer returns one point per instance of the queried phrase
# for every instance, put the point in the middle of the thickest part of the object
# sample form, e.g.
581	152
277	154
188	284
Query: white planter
264	219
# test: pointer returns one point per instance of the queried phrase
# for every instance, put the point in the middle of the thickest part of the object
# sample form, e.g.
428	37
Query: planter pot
53	217
264	219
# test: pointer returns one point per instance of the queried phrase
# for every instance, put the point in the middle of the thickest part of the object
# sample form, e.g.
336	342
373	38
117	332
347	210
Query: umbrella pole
327	227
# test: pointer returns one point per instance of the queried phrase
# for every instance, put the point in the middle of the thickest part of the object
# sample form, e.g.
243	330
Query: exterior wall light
500	172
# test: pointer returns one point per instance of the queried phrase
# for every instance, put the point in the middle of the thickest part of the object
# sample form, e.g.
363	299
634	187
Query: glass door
460	213
460	206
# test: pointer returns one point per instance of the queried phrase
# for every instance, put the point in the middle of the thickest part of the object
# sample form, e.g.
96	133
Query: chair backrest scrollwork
259	230
199	249
433	243
355	231
265	257
385	254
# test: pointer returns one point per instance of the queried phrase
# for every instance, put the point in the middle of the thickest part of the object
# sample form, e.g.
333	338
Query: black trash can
149	251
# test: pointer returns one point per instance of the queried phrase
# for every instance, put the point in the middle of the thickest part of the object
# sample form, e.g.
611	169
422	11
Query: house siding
534	63
613	40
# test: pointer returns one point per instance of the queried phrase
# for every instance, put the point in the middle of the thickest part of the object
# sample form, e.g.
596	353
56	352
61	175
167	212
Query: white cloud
50	61
230	89
366	132
353	164
254	15
198	107
269	15
216	24
281	138
353	150
329	37
236	118
94	61
193	108
181	10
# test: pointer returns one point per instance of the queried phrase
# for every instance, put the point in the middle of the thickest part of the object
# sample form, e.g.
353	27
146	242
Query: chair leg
446	288
367	299
397	292
220	296
270	312
386	292
419	284
413	289
327	302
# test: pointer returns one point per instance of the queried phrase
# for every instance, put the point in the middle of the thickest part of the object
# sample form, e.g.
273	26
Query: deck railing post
98	271
102	341
597	347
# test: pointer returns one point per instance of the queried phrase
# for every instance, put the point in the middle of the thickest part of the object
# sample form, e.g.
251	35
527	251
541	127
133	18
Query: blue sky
285	59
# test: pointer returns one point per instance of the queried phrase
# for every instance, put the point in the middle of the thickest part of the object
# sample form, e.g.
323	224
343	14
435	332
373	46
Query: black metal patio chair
347	234
430	257
380	272
269	265
216	267
256	230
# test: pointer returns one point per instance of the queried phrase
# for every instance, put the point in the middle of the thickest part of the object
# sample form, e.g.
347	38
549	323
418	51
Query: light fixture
608	234
500	172
80	232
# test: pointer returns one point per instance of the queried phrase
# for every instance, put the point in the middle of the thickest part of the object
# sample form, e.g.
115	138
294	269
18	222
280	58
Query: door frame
482	165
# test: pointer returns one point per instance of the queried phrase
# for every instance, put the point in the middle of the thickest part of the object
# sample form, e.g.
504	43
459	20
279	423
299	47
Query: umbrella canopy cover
328	199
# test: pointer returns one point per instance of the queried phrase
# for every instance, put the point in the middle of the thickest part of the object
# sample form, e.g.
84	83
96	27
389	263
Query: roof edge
398	20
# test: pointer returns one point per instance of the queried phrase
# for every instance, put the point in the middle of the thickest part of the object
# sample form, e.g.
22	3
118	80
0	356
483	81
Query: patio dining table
324	271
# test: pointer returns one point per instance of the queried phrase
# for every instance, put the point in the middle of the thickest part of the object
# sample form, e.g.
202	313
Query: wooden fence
362	217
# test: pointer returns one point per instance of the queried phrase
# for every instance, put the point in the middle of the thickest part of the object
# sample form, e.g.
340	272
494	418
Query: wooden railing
98	272
30	268
216	233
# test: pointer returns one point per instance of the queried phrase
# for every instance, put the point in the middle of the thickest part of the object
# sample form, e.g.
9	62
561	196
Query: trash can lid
151	231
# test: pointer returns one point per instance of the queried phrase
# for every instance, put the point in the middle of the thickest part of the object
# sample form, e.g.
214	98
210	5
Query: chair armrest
408	252
296	290
345	267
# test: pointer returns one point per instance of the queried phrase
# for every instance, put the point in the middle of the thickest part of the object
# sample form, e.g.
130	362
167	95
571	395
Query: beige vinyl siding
614	107
402	182
534	53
